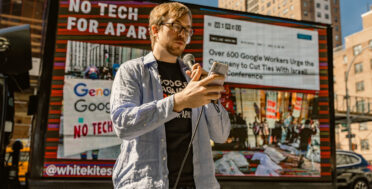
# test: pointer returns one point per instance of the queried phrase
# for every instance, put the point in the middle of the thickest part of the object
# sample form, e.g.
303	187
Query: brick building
358	46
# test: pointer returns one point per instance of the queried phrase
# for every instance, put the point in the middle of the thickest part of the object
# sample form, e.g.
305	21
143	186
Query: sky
351	15
351	11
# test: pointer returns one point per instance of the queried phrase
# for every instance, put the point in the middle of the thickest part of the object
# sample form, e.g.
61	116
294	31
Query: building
323	11
14	13
358	46
240	5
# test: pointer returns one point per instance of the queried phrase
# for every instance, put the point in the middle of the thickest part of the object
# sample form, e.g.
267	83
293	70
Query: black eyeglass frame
188	31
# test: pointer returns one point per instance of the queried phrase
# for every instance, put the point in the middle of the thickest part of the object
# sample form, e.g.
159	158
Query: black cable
188	149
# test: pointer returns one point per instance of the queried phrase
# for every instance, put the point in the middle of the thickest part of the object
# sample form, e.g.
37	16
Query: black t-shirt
178	130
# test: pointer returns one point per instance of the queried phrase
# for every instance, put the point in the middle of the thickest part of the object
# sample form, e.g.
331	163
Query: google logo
81	89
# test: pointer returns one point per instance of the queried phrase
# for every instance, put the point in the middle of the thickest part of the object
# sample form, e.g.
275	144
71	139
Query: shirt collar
149	60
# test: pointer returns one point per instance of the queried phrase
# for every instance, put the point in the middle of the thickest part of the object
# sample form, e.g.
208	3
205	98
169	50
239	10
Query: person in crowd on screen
105	73
296	131
285	129
256	130
91	72
290	132
307	130
277	132
154	104
242	134
265	132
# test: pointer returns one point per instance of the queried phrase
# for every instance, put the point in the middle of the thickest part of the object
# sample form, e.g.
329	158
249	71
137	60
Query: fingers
214	89
195	66
211	78
196	75
188	72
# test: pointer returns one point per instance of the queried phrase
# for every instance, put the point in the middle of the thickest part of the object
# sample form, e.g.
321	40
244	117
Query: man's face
174	42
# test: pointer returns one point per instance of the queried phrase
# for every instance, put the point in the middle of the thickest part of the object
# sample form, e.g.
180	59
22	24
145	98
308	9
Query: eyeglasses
178	28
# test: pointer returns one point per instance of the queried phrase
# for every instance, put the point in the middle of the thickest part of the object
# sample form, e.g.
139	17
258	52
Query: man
155	103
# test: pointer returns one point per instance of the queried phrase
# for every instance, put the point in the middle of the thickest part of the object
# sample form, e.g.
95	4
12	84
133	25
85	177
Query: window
363	126
370	63
370	44
357	49
285	11
326	16
360	106
305	13
345	59
359	87
319	15
358	68
284	2
364	144
268	4
336	28
268	13
317	5
292	7
336	37
336	20
305	4
346	159
326	7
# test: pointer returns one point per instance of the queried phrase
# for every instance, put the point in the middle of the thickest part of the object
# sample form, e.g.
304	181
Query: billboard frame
39	127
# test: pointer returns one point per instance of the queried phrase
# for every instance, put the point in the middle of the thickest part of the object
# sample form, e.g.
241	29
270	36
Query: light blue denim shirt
139	111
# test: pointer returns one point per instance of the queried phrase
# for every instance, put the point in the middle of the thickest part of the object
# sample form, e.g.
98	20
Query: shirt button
164	158
162	139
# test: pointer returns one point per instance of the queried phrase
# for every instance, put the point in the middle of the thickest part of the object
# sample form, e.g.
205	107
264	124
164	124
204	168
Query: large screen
276	92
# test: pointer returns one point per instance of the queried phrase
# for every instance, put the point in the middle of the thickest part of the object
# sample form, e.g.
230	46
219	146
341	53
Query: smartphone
220	69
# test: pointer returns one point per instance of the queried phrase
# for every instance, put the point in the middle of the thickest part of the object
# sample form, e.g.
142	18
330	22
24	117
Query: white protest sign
271	103
262	54
298	104
86	116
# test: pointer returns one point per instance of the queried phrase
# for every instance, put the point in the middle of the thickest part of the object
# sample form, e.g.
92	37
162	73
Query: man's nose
183	33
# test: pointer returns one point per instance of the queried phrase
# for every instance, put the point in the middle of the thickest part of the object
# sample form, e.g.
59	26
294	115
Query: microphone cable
188	149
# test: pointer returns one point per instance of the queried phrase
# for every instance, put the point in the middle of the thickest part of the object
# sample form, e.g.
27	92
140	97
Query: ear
154	29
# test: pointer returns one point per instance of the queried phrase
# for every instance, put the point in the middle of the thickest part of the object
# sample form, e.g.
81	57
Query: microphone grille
188	58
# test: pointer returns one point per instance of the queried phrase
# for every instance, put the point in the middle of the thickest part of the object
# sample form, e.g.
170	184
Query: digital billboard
276	92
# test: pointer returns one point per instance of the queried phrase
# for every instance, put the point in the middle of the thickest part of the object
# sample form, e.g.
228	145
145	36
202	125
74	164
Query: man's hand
197	93
194	68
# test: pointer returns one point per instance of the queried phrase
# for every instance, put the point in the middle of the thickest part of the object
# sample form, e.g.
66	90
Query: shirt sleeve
130	116
218	122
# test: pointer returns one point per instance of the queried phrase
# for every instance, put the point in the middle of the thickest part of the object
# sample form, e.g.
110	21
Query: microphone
189	60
